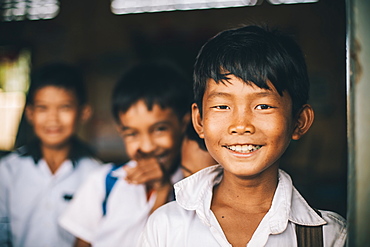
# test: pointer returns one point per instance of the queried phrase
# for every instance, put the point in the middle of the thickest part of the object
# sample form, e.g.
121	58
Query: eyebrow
265	93
223	94
218	94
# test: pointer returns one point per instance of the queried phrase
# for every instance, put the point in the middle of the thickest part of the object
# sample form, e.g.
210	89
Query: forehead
235	86
53	93
139	114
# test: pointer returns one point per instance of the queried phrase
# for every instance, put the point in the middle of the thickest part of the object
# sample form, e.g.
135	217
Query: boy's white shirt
127	210
189	221
32	199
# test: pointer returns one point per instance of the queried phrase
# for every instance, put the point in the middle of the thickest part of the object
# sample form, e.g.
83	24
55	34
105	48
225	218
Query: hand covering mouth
244	148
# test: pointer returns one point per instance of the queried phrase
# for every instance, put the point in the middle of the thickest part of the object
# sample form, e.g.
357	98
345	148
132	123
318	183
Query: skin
193	158
81	243
55	115
235	114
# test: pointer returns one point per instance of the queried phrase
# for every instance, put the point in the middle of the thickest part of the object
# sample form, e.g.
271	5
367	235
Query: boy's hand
151	172
148	171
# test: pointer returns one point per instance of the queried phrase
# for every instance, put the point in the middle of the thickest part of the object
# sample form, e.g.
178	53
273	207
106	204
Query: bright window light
139	6
120	7
18	10
14	82
291	1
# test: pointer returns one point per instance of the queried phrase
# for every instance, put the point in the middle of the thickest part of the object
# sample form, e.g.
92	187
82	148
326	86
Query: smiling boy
251	91
151	105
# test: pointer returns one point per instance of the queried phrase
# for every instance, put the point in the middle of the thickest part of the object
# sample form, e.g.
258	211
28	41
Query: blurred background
102	39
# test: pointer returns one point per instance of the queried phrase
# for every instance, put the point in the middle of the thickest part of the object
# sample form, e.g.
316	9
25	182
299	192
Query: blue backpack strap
109	183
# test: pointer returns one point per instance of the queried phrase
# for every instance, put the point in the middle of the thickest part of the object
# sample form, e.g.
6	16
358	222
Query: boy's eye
129	134
66	107
40	107
263	107
161	128
221	107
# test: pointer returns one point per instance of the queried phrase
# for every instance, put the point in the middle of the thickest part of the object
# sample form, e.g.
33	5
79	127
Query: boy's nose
147	144
241	125
53	115
242	129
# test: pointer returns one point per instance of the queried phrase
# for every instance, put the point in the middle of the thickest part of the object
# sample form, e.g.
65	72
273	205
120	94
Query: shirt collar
65	168
289	205
79	150
191	191
195	193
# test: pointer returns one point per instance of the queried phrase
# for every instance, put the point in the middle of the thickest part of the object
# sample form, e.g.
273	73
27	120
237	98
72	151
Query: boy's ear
304	121
86	113
119	130
185	122
28	111
197	120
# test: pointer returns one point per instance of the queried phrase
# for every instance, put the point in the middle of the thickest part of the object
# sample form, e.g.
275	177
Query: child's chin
55	144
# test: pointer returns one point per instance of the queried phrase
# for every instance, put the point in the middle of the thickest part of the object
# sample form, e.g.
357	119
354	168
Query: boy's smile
246	128
244	148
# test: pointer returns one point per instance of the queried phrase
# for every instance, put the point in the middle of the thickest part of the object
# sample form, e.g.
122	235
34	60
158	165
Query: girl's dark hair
155	82
255	55
60	75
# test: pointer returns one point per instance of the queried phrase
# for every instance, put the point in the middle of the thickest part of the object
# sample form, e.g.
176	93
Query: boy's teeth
244	148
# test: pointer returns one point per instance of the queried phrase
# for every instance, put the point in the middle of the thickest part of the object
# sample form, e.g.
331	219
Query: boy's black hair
255	55
59	75
155	82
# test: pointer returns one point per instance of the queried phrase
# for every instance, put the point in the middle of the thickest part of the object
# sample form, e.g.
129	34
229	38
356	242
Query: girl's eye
263	107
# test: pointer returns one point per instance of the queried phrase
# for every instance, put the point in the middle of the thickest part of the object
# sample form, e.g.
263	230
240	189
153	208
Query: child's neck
249	195
54	157
240	204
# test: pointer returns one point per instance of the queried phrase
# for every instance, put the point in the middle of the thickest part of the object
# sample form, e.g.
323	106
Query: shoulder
12	156
170	209
14	161
168	220
88	163
333	218
100	172
301	213
168	215
14	167
335	229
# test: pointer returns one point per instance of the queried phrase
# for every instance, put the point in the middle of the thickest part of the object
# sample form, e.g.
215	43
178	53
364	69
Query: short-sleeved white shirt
189	220
32	199
127	210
